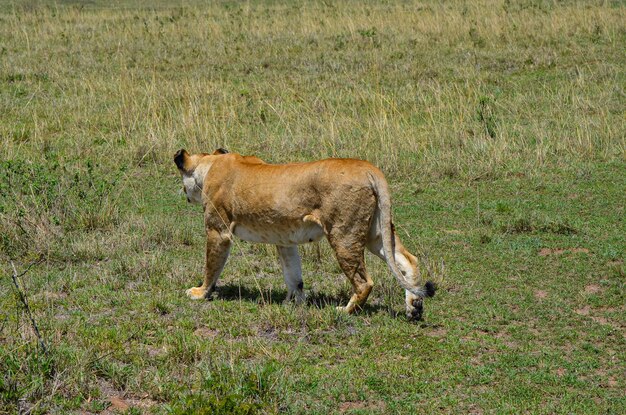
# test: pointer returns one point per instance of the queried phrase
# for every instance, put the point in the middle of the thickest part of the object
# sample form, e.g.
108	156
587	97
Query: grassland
500	124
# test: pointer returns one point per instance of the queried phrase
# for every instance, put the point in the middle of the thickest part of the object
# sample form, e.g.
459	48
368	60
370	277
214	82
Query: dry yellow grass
452	88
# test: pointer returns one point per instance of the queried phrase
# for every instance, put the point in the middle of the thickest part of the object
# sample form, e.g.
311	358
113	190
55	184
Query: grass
500	125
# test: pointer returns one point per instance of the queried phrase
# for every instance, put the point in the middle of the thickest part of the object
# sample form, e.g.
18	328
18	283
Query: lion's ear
220	151
181	159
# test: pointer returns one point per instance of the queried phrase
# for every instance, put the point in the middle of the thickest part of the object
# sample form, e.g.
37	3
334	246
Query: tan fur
345	200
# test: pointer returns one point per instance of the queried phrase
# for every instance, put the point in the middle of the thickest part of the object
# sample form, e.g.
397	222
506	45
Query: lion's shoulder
252	160
235	159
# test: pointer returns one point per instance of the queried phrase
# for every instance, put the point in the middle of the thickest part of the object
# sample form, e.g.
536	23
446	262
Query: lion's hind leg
292	271
350	255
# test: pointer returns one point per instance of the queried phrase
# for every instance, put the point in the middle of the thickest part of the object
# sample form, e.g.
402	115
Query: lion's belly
286	236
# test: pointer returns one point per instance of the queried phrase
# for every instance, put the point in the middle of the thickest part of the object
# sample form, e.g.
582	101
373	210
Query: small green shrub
223	390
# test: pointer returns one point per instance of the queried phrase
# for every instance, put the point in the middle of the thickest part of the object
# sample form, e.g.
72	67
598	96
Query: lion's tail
383	199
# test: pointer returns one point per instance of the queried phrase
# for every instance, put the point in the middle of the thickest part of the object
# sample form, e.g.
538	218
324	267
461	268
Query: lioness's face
192	189
193	169
187	166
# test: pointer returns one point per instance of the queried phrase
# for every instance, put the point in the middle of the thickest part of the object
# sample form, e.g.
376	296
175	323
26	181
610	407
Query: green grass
501	128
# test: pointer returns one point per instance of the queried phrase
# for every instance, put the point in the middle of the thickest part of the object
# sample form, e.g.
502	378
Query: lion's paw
196	293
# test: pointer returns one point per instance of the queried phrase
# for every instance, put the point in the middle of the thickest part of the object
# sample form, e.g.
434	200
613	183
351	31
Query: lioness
286	205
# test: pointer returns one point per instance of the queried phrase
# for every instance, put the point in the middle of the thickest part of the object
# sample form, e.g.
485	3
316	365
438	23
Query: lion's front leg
217	250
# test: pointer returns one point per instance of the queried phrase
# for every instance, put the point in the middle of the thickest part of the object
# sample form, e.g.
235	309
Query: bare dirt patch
436	332
346	407
593	289
587	311
51	295
118	403
561	251
506	340
600	320
541	294
206	332
156	351
550	251
141	403
583	311
475	410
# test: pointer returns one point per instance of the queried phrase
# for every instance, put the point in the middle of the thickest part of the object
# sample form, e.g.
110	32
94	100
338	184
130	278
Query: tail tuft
430	288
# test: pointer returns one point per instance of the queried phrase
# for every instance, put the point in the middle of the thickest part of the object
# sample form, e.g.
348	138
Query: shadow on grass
230	292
